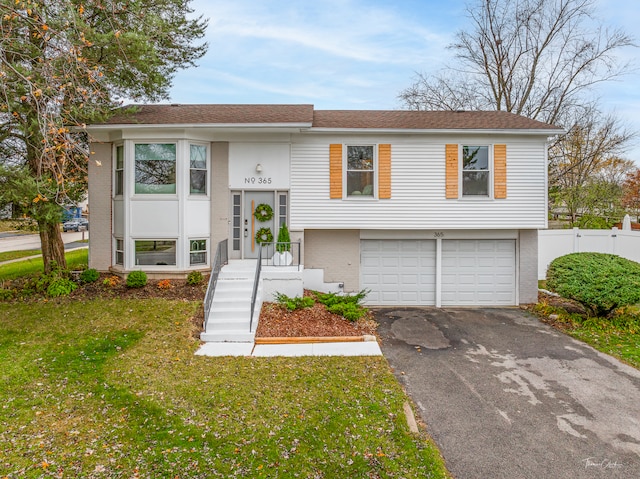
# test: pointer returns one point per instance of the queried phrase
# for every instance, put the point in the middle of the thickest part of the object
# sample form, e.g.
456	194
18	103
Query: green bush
284	239
600	282
194	278
136	279
347	305
592	222
89	275
6	294
60	287
294	303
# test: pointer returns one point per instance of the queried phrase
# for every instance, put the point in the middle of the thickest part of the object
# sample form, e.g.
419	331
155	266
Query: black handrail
221	258
256	282
293	248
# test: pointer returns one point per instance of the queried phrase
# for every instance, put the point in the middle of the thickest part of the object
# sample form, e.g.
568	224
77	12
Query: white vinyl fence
555	243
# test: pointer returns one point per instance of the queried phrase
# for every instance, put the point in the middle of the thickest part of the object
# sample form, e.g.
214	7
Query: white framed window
119	251
197	169
197	252
155	168
476	171
155	252
360	171
118	180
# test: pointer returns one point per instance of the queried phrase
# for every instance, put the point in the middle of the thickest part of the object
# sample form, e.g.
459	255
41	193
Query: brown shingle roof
215	114
305	115
425	120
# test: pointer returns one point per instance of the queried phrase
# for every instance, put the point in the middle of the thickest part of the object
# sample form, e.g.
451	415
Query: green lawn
9	255
111	388
618	336
76	259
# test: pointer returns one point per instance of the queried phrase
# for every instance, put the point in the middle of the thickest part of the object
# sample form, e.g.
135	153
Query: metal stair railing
221	258
256	283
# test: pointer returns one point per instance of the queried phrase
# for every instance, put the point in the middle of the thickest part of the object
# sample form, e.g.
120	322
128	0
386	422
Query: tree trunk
52	245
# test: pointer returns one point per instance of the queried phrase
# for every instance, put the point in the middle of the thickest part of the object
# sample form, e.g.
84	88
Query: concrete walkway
365	348
506	396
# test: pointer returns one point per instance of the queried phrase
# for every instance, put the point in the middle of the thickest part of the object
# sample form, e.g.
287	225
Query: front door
261	223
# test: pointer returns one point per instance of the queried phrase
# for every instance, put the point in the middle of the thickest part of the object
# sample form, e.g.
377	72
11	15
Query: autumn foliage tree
65	63
631	193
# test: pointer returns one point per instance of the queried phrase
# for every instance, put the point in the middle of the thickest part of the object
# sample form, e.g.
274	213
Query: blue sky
351	54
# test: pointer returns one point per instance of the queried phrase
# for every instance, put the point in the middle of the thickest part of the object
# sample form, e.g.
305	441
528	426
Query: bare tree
585	168
537	58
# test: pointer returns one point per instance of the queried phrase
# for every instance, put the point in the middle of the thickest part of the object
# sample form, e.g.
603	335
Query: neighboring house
421	208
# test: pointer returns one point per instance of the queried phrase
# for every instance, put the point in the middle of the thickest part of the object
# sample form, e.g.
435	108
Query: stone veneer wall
219	194
99	177
337	252
528	248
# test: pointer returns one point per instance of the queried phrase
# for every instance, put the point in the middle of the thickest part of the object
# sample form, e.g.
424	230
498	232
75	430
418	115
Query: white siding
418	185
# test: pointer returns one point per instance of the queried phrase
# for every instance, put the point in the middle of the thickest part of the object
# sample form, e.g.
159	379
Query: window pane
155	168
198	258
198	245
119	182
360	183
119	257
199	182
155	252
198	156
475	158
119	157
475	183
359	157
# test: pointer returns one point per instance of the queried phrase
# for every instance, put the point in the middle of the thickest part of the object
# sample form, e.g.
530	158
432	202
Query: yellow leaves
81	9
37	199
118	33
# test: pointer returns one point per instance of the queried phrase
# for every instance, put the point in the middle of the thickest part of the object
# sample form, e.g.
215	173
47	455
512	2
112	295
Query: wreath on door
264	235
263	212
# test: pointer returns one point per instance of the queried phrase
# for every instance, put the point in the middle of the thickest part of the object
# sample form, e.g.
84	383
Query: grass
618	336
11	255
112	388
76	259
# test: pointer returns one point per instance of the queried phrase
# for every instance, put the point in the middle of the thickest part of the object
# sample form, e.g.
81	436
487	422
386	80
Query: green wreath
264	235
263	212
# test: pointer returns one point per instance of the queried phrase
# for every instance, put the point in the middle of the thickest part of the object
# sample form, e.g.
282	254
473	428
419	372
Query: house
419	207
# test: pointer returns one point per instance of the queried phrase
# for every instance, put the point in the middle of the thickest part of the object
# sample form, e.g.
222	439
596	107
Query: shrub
136	279
89	275
61	287
600	282
294	303
165	284
6	294
347	305
194	278
284	239
592	222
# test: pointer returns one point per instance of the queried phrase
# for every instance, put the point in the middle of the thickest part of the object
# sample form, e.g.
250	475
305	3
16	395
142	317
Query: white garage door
478	272
399	271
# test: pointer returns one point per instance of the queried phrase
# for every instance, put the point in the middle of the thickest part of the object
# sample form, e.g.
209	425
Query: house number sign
438	234
260	180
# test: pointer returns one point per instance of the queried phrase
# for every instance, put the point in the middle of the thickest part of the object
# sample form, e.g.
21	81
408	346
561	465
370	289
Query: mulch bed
278	321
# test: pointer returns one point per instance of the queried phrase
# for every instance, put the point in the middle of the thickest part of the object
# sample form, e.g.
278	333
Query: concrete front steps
229	318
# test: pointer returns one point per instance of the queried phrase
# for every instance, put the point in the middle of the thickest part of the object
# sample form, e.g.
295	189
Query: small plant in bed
293	304
347	305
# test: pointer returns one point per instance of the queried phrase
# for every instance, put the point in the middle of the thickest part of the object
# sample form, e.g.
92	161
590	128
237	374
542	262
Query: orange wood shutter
500	171
451	168
335	171
384	171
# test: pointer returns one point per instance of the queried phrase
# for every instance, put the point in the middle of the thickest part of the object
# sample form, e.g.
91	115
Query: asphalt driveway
505	396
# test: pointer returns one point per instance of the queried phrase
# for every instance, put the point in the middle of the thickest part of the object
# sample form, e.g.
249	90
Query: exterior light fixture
259	168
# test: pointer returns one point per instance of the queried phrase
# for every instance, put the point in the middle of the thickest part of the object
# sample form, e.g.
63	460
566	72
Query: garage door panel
403	271
478	272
